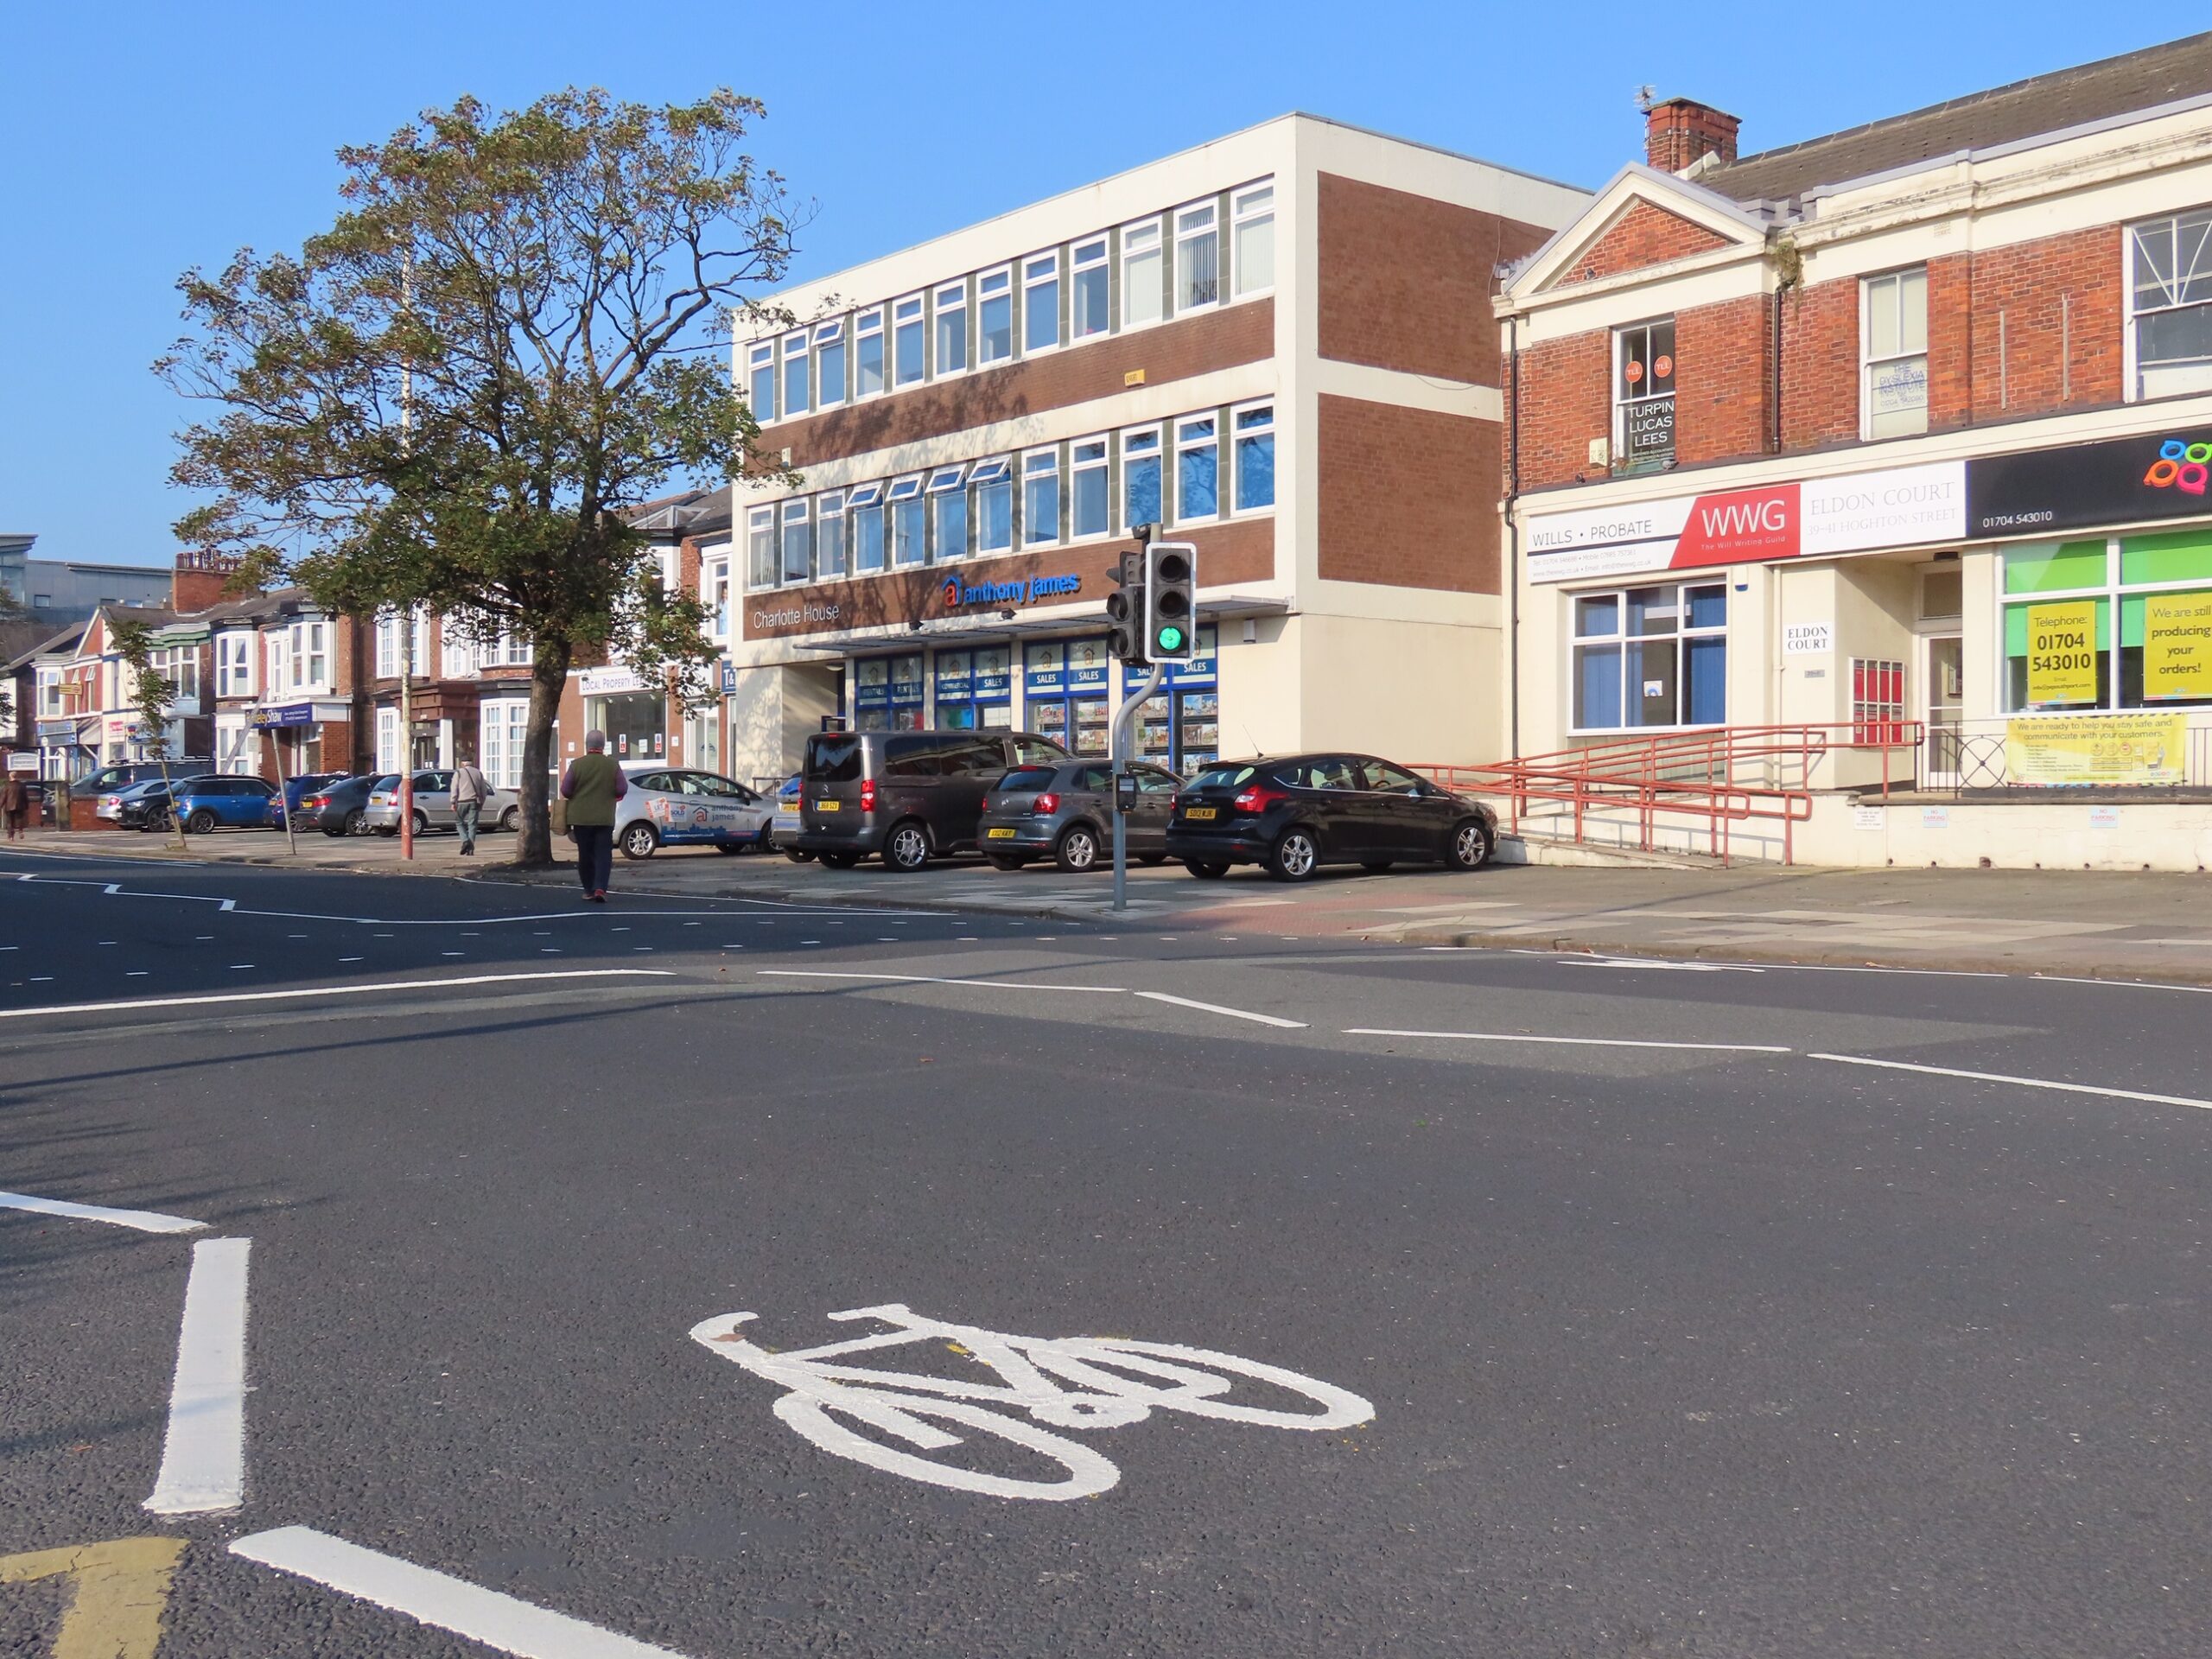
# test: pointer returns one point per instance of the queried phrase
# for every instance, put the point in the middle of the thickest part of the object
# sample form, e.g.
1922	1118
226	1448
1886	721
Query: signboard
872	683
1807	639
23	760
729	679
293	714
611	682
907	678
1866	818
2062	653
1045	664
954	669
994	672
1647	429
2087	486
1026	591
2177	645
1088	664
2063	750
1858	513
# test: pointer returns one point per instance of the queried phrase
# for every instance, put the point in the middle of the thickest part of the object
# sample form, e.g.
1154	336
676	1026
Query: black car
144	805
909	795
341	808
1066	812
1296	813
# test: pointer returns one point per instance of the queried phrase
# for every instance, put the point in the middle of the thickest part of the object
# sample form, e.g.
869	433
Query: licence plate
1197	814
825	806
998	835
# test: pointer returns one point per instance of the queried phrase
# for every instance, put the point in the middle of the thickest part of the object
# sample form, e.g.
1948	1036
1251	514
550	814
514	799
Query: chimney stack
1681	132
199	580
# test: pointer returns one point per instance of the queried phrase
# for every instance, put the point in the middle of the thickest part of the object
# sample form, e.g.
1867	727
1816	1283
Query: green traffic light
1171	638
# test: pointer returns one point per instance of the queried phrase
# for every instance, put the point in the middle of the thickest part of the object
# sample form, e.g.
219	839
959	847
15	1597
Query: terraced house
1275	347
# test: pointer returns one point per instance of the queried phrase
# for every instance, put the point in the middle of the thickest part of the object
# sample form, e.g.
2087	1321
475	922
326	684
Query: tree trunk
549	674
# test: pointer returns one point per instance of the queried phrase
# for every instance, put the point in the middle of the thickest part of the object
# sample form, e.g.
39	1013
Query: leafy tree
512	337
154	695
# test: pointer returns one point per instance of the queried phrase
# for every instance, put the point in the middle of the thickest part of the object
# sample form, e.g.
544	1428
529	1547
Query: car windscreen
1233	776
1026	780
833	758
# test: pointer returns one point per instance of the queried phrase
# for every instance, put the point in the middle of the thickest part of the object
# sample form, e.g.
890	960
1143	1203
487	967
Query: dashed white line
143	1221
203	1456
336	990
1216	1007
1570	1042
438	1600
2018	1083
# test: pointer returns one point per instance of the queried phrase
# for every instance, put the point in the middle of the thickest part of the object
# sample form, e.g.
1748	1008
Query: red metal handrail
1691	774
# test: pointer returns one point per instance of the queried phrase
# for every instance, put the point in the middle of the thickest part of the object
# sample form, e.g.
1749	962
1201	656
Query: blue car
206	804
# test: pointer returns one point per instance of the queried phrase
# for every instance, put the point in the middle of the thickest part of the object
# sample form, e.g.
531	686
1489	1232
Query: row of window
2168	331
1170	265
463	654
293	658
1196	469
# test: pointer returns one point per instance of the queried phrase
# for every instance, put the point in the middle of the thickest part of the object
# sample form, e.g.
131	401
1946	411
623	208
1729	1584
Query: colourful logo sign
2180	466
1026	591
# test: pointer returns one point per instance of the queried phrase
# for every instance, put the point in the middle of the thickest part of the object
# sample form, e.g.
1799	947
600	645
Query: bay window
1040	303
1141	282
1040	498
1253	211
1090	311
503	723
992	483
2169	305
1651	656
995	316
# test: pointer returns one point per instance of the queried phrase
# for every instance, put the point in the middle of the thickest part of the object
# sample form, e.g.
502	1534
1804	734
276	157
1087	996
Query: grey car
433	805
1064	811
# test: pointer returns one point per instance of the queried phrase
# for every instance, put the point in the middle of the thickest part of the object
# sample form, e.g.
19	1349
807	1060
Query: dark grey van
908	796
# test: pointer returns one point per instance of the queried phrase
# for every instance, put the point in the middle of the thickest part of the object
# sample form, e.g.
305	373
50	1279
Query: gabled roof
1559	261
63	640
2133	82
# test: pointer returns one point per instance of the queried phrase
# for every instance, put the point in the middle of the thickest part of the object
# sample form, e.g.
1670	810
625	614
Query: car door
1156	792
1334	803
434	796
1407	816
968	768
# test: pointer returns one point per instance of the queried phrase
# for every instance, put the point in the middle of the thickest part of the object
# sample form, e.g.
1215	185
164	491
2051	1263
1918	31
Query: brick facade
1408	497
1644	235
1406	281
1564	398
1724	376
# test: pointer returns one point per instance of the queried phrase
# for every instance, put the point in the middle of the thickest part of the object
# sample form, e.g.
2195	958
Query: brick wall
1565	393
1644	235
1408	497
1820	365
1724	365
1406	281
1074	374
2046	325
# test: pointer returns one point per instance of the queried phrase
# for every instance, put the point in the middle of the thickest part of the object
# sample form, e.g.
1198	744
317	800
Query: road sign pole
1124	723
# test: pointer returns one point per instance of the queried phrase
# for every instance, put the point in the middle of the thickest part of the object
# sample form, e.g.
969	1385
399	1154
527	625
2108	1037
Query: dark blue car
205	804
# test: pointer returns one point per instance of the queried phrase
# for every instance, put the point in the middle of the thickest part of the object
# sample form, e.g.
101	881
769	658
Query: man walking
470	790
14	805
591	786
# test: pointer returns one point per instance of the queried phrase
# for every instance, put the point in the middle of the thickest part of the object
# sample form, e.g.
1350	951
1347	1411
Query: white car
676	807
783	830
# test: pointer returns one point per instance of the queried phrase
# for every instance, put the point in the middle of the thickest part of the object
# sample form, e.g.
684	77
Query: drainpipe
1512	535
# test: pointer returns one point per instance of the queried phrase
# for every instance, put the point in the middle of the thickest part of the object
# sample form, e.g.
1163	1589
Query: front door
1942	682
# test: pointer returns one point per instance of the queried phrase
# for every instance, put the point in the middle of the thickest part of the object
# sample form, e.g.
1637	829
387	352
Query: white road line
2023	1082
1571	1042
144	1221
1657	963
336	990
203	1458
438	1600
2126	984
1216	1007
934	979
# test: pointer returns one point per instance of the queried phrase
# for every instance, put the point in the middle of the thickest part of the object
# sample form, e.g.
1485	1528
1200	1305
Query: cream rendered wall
1260	687
1981	645
1419	692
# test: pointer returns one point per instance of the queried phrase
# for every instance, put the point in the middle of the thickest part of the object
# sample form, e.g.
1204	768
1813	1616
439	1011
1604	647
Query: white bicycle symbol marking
1114	1382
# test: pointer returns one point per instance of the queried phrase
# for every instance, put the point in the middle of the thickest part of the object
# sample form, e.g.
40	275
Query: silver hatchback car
1064	811
434	806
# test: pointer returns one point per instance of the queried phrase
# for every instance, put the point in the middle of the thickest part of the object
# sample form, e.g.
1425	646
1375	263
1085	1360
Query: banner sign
994	672
2177	645
2091	486
1899	507
294	714
1045	662
2062	653
2059	751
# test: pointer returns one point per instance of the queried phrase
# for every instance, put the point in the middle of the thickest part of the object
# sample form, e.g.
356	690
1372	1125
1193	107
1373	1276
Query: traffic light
1125	611
1171	602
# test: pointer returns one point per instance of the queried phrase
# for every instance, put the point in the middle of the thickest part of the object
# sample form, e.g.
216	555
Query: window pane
951	526
1140	276
829	544
1255	241
907	544
1708	606
1650	665
1653	610
1040	305
1912	311
994	516
796	401
867	538
1882	317
830	369
951	338
1705	673
1089	501
1090	314
1197	492
1597	616
994	320
868	362
1140	490
760	550
1040	500
763	395
798	547
1256	471
1197	268
907	345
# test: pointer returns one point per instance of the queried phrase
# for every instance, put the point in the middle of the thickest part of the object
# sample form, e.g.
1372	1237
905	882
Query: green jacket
594	783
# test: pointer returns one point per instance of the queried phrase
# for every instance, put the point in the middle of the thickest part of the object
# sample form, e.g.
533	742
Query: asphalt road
1682	1331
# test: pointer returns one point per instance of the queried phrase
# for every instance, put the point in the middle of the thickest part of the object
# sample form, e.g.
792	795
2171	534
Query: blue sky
144	139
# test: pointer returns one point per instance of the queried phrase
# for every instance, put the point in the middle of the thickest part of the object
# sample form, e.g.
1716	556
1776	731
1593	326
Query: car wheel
421	821
202	822
1078	849
352	823
1375	866
1205	869
1294	856
798	855
510	820
839	860
1471	845
639	841
906	848
1004	861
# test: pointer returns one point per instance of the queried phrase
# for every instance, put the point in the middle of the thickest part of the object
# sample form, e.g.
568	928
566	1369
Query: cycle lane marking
1571	1042
338	990
437	1600
143	1221
2019	1083
203	1454
1233	1014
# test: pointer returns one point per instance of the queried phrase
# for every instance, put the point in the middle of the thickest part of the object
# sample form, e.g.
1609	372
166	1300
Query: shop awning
952	631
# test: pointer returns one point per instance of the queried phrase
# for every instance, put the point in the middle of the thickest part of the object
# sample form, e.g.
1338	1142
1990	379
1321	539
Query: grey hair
594	741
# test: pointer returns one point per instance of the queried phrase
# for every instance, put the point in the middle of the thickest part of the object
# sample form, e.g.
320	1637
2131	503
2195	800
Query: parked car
672	806
909	795
1296	813
296	789
108	780
784	828
342	808
1066	813
433	805
206	804
143	805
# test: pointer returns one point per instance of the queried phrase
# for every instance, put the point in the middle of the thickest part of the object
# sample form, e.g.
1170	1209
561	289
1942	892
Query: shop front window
2115	622
636	724
1651	658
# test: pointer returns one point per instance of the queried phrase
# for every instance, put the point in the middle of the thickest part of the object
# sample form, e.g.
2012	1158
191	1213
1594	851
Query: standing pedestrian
15	805
591	786
471	789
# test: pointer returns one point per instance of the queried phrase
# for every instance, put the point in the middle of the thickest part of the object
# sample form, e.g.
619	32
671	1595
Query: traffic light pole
1124	723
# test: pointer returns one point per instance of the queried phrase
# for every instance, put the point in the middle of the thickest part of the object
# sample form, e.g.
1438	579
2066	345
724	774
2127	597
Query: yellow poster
2062	749
2177	645
2062	653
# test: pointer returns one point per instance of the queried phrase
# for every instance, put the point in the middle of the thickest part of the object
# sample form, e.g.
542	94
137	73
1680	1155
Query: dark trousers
594	855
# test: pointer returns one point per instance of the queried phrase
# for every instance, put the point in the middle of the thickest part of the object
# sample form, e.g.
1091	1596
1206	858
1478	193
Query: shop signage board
2090	485
907	678
296	713
1088	665
2177	645
1858	513
872	683
994	672
2058	750
1807	639
611	682
1044	665
955	673
2063	654
23	760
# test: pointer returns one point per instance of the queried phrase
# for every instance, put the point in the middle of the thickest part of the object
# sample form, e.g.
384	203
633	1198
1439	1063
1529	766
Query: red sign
1740	526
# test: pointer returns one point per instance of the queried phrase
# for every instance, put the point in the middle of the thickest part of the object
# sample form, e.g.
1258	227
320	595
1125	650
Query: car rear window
1229	777
1027	779
833	758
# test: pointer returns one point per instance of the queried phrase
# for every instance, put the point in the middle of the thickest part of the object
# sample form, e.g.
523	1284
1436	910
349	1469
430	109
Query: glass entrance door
1943	682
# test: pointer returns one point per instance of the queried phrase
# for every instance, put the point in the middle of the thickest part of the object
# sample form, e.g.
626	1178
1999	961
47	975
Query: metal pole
1124	723
407	735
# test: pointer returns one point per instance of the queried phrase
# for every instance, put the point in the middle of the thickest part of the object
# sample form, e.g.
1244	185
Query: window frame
899	322
762	521
1157	227
830	508
1619	639
992	471
798	511
1238	434
1868	362
947	484
1030	471
1030	284
860	499
905	492
1003	275
1212	209
2132	315
939	313
792	353
1122	440
827	335
1208	443
1081	265
872	322
2112	592
1620	404
1079	464
760	354
1240	215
